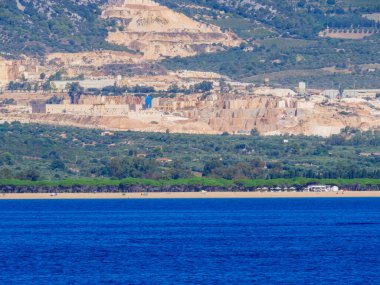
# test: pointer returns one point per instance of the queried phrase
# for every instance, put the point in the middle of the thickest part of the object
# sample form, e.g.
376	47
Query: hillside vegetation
280	36
303	18
35	152
70	25
274	56
179	185
37	27
285	38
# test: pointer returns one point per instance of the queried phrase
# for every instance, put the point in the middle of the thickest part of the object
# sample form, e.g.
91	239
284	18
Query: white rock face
159	32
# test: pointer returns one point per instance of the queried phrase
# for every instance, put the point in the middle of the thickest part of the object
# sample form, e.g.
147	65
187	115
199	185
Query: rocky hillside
275	115
39	27
158	32
329	43
36	27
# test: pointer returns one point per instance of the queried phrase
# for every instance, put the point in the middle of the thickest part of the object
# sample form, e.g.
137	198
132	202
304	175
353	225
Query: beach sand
189	195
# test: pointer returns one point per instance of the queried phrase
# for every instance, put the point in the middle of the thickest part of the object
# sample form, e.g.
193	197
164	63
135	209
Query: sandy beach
190	195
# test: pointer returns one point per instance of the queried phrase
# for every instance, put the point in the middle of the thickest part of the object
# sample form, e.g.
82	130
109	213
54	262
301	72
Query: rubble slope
160	32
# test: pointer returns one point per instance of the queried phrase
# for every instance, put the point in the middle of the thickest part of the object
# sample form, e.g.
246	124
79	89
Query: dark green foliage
284	35
54	100
290	50
202	87
254	132
5	173
73	153
26	86
56	76
75	92
57	165
44	26
218	184
132	167
8	102
28	174
288	61
303	19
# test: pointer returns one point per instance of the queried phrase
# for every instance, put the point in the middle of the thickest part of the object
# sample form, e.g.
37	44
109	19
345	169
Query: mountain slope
279	37
37	27
160	32
324	43
295	18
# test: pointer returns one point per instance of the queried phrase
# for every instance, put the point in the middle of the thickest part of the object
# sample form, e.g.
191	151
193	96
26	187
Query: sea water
196	241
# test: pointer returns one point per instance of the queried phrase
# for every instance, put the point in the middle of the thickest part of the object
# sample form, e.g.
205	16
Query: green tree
255	132
57	165
5	173
29	174
8	158
204	86
75	92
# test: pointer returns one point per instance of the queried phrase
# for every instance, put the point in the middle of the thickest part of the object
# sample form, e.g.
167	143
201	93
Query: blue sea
196	241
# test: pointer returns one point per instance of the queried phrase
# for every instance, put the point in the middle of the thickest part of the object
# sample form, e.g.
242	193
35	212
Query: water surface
192	241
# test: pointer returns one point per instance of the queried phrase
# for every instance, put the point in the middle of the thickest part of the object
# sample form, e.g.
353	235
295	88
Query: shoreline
188	195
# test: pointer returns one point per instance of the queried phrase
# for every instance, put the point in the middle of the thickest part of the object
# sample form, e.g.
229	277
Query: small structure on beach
321	188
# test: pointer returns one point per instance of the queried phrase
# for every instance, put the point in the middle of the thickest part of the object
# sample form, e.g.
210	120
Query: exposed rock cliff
90	63
272	115
159	32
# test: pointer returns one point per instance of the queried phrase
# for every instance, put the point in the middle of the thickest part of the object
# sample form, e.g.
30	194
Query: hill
158	32
324	43
38	27
327	44
68	25
303	18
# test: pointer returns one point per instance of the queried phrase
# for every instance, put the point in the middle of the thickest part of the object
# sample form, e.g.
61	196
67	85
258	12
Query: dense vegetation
184	184
303	18
288	56
138	90
34	152
37	27
284	35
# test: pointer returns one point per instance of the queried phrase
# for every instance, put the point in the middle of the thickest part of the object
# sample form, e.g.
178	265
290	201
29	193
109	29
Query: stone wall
89	83
88	110
8	71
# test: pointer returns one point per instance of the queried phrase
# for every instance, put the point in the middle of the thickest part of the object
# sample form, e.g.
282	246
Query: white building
322	188
331	93
302	88
360	93
279	92
351	93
